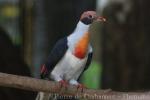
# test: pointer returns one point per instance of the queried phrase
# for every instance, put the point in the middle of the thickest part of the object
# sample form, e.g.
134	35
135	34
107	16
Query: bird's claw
81	86
63	83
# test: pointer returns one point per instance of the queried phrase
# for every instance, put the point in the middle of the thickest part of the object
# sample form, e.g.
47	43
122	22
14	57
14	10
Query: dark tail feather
44	72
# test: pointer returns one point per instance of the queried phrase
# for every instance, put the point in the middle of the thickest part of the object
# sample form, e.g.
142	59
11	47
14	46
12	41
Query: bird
72	54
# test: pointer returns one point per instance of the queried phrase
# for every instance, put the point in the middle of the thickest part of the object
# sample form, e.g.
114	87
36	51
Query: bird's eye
90	16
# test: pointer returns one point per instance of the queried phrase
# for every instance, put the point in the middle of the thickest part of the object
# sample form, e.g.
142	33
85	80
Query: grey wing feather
90	55
55	56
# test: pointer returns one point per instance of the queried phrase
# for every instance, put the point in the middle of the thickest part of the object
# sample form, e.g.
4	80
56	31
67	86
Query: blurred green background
121	45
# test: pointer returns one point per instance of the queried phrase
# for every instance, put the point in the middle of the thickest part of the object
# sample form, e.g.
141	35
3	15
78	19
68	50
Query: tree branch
32	84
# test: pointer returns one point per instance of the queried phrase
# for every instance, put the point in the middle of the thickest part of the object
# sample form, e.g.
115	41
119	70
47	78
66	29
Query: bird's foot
81	86
63	83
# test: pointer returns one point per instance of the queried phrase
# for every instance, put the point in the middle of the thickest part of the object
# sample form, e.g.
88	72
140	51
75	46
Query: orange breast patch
82	46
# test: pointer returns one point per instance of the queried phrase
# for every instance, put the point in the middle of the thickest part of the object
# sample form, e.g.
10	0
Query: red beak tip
101	19
104	20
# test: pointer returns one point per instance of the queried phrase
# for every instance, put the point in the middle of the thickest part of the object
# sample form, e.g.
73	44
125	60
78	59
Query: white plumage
71	55
70	67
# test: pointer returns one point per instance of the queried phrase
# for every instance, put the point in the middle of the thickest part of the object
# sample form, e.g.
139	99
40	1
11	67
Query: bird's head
89	16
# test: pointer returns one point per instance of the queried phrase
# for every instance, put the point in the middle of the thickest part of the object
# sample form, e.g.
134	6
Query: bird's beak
101	19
